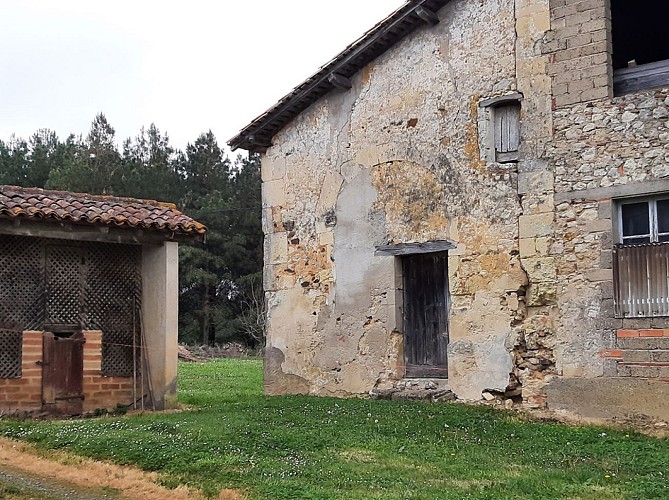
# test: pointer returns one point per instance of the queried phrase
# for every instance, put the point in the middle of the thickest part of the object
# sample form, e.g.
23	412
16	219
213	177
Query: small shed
88	300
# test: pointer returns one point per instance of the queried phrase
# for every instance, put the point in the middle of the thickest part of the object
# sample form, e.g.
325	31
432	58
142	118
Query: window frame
491	107
640	270
654	233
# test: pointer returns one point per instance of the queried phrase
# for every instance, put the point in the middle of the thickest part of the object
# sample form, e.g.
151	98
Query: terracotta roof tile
34	203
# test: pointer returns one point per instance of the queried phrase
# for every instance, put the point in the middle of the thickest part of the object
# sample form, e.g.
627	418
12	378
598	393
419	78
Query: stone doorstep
421	383
434	396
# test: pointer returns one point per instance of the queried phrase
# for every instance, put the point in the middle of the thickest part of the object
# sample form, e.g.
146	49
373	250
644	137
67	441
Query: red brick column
92	369
25	394
99	391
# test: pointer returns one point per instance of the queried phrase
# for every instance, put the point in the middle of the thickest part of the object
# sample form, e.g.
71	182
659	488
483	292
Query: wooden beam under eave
428	16
83	232
414	248
339	81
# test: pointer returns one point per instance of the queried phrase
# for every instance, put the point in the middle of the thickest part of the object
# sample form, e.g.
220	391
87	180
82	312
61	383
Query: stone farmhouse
474	197
88	301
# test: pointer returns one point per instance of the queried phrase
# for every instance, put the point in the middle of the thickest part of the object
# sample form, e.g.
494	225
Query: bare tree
253	319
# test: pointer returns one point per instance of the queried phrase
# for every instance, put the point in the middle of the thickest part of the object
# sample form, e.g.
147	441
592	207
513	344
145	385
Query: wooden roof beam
427	15
339	81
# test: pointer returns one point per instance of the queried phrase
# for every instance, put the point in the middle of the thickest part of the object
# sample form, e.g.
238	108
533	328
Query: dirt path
21	485
60	475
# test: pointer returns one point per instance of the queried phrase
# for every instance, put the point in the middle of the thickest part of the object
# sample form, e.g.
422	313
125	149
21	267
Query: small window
499	126
641	258
507	131
644	221
640	48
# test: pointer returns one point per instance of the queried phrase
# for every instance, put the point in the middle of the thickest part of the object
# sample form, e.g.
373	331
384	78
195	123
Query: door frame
433	346
63	372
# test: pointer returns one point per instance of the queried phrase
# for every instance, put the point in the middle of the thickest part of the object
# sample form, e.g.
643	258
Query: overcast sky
188	66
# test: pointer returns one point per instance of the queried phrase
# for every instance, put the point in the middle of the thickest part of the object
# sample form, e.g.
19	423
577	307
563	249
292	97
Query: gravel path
34	487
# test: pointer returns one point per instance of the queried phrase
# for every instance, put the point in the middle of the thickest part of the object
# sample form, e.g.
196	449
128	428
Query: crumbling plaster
401	157
395	160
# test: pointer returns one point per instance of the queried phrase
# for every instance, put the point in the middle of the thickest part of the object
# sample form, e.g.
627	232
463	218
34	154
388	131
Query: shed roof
97	210
257	135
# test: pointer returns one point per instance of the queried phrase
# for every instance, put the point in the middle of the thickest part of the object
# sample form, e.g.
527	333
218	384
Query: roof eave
257	135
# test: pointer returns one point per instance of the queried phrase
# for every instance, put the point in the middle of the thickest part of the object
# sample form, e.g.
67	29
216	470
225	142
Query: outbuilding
88	301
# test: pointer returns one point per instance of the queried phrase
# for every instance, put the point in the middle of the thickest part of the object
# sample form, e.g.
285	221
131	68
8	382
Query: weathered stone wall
401	157
579	45
602	150
395	159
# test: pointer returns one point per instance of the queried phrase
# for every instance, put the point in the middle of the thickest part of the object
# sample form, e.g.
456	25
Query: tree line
220	280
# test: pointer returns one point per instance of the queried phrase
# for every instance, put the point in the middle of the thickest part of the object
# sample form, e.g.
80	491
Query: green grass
307	447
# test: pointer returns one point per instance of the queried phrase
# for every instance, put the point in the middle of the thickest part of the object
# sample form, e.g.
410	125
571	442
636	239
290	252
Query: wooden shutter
507	131
641	280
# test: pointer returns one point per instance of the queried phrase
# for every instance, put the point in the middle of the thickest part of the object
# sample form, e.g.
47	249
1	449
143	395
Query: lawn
307	447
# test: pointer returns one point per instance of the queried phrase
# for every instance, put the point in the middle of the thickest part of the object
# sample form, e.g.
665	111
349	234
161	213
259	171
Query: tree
14	158
149	166
95	165
221	297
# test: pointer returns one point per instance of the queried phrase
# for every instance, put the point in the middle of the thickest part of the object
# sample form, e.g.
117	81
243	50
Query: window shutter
507	131
640	277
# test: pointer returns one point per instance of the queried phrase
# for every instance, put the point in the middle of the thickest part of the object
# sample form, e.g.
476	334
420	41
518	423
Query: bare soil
62	475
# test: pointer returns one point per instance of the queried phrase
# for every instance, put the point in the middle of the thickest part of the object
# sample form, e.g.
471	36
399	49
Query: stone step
433	395
643	370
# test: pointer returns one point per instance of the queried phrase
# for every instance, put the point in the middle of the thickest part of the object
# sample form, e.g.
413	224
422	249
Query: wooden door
426	304
62	373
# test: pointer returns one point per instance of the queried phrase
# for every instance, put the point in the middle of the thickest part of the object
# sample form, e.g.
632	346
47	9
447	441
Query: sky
188	66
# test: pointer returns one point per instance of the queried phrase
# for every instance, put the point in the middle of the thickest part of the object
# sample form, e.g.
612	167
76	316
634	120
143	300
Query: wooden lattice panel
57	285
10	353
21	283
113	296
64	285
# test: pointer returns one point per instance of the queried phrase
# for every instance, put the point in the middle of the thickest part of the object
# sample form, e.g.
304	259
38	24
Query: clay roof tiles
98	210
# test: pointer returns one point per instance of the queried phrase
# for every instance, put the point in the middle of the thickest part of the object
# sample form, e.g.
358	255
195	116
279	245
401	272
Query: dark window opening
640	44
644	221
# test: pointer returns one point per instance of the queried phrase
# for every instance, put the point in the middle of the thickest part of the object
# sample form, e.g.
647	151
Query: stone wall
397	159
401	157
579	46
602	150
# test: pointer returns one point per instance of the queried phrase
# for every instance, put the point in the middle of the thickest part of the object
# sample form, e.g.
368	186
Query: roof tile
35	203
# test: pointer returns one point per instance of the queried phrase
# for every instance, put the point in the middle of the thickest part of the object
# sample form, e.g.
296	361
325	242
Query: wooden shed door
62	373
426	304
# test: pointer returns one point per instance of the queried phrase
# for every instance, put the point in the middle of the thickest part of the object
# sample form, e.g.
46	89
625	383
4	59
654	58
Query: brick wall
25	394
579	49
639	353
99	391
